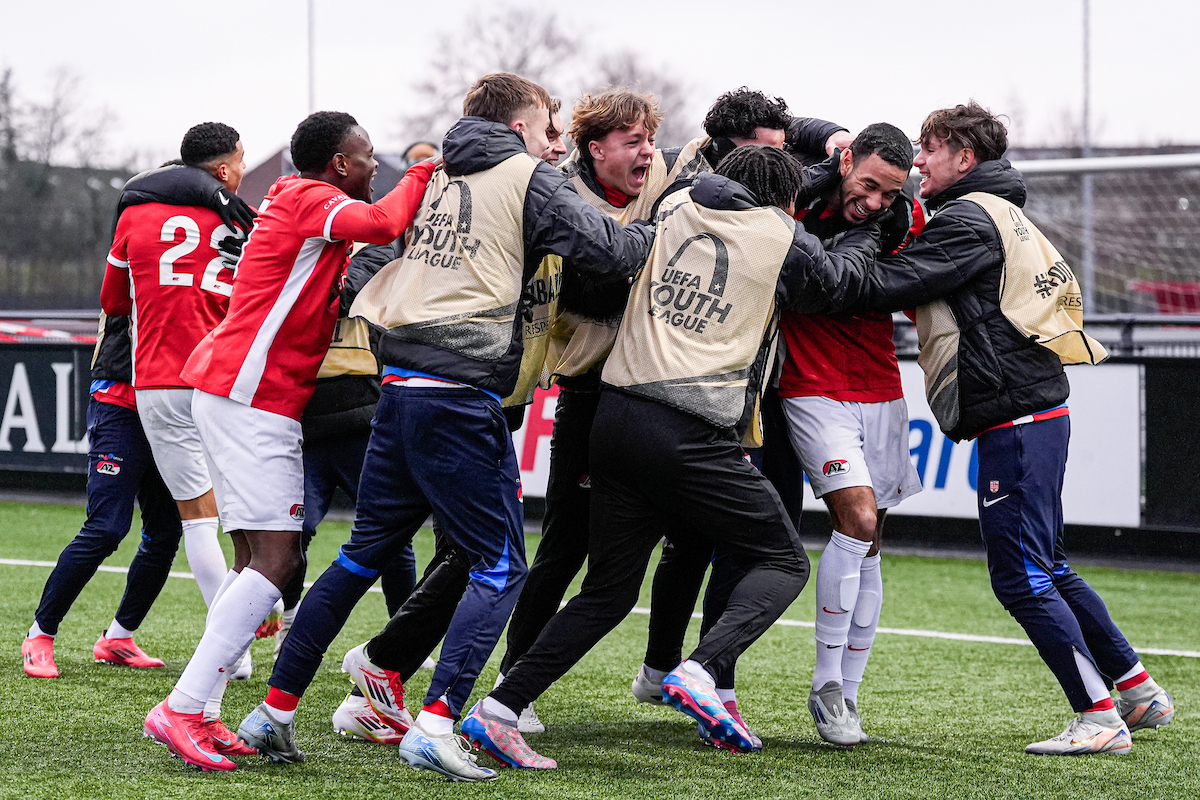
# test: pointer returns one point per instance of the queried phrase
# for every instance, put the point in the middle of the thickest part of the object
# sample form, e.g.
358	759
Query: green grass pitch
947	718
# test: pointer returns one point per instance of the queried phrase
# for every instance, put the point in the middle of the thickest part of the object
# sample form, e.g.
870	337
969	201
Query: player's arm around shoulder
556	220
814	279
955	246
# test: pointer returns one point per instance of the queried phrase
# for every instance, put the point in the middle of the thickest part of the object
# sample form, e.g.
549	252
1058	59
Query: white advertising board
1103	481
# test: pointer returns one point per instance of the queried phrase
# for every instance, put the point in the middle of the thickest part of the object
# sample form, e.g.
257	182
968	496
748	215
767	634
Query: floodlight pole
312	103
1086	200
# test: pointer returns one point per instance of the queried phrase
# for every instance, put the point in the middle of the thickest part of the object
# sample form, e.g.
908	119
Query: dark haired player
171	271
255	372
617	169
451	349
847	419
667	458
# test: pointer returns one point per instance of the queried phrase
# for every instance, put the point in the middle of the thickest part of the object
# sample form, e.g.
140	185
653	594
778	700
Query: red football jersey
846	357
181	285
268	349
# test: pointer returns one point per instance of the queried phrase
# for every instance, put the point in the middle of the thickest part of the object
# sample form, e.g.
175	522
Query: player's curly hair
970	126
616	108
886	141
206	142
740	112
769	173
319	138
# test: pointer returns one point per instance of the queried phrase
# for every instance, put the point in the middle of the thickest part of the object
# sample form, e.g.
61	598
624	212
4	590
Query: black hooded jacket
555	221
1002	375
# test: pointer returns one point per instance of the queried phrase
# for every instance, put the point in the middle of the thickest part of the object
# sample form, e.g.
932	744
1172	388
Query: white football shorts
166	416
255	460
843	444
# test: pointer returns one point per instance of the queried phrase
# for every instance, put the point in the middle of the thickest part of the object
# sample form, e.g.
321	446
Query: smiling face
554	135
355	165
940	165
869	185
622	158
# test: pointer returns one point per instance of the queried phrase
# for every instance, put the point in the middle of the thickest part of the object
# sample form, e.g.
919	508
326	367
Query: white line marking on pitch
786	623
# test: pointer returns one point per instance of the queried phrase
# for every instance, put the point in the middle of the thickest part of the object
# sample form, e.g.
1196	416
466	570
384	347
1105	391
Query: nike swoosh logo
221	197
858	649
993	501
832	646
828	610
216	759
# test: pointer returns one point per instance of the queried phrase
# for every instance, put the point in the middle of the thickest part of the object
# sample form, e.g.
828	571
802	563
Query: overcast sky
162	66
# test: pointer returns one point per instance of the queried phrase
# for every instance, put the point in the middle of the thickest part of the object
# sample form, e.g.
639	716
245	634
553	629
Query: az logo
839	467
297	512
108	468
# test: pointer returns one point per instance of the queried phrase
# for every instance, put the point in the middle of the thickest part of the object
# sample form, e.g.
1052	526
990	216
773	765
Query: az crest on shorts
837	467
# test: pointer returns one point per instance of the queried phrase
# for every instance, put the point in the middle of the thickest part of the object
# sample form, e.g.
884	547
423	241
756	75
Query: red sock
1136	680
1103	705
440	708
277	698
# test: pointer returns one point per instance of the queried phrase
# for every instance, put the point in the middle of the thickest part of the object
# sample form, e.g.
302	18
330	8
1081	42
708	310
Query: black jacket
346	404
958	257
555	221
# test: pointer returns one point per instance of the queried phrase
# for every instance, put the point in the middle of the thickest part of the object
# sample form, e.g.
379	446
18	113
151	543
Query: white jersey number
167	276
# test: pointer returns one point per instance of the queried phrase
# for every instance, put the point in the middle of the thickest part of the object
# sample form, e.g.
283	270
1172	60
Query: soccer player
171	269
374	710
120	470
451	349
680	390
254	374
998	314
847	419
617	169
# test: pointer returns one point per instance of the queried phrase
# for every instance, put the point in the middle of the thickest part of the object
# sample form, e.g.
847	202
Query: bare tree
682	116
532	45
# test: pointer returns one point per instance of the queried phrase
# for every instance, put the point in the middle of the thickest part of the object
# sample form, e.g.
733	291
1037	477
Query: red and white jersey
180	285
268	349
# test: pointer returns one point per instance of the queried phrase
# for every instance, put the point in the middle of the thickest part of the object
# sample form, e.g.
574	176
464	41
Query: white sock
35	631
837	592
118	631
240	611
1138	669
280	715
435	724
495	708
1092	680
727	696
204	555
697	671
863	623
212	706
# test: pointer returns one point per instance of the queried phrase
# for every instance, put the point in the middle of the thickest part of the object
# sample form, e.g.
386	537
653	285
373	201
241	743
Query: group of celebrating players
717	318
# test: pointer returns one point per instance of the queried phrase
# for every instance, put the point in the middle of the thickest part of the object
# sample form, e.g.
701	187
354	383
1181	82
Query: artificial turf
947	718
